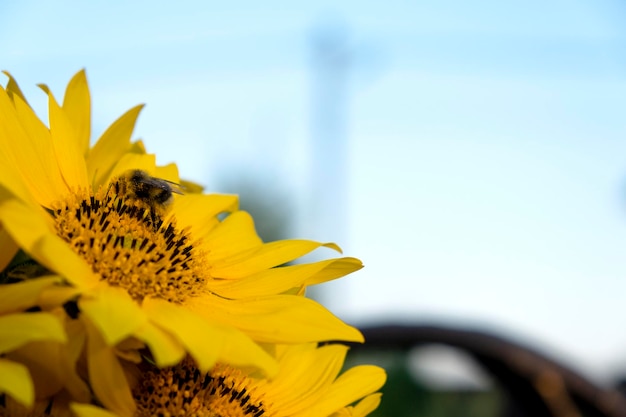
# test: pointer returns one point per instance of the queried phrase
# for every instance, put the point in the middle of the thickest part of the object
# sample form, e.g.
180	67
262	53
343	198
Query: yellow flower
308	384
181	279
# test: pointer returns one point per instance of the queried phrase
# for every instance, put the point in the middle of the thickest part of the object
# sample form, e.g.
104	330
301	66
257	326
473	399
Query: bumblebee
156	193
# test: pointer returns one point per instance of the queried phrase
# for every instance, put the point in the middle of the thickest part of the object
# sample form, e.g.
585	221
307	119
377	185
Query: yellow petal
9	248
28	227
66	146
138	147
16	382
199	212
367	405
12	88
56	296
278	280
165	348
88	410
111	146
21	328
208	342
167	172
305	375
335	269
277	319
353	384
226	239
55	254
191	187
77	107
40	169
106	374
23	295
76	339
22	162
144	162
193	208
257	259
51	369
113	312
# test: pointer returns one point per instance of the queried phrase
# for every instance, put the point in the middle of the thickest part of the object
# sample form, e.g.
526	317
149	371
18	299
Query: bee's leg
115	184
156	219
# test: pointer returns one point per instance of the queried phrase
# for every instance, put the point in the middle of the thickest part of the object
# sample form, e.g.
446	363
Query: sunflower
308	384
191	277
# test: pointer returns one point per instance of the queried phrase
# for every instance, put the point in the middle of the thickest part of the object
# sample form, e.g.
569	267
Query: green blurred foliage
405	396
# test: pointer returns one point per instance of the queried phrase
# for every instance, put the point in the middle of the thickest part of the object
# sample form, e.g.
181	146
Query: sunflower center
184	390
127	242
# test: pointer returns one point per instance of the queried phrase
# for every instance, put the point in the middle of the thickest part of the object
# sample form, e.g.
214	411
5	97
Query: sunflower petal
232	237
23	295
23	158
66	145
257	259
21	328
205	341
16	382
200	213
51	368
353	384
13	89
144	162
106	374
305	375
264	319
113	312
165	348
32	233
278	280
367	405
111	146
167	172
88	410
57	295
42	170
9	249
77	106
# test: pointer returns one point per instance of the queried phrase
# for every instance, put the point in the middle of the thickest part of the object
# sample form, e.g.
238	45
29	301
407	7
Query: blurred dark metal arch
535	384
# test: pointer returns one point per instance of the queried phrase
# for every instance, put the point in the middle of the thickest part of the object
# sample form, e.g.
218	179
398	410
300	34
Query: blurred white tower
327	216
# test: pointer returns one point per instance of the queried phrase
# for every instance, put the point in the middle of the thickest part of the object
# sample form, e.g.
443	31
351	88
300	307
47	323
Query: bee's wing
176	187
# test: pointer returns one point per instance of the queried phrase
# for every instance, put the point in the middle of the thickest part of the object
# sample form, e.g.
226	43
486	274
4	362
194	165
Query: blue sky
486	144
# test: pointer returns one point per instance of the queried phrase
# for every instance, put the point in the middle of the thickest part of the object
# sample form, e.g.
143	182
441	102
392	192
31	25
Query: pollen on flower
127	242
183	390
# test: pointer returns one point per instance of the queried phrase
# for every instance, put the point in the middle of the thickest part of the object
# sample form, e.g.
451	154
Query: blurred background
472	154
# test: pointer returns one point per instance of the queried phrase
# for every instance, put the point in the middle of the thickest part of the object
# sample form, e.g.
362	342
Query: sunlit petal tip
44	87
333	246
